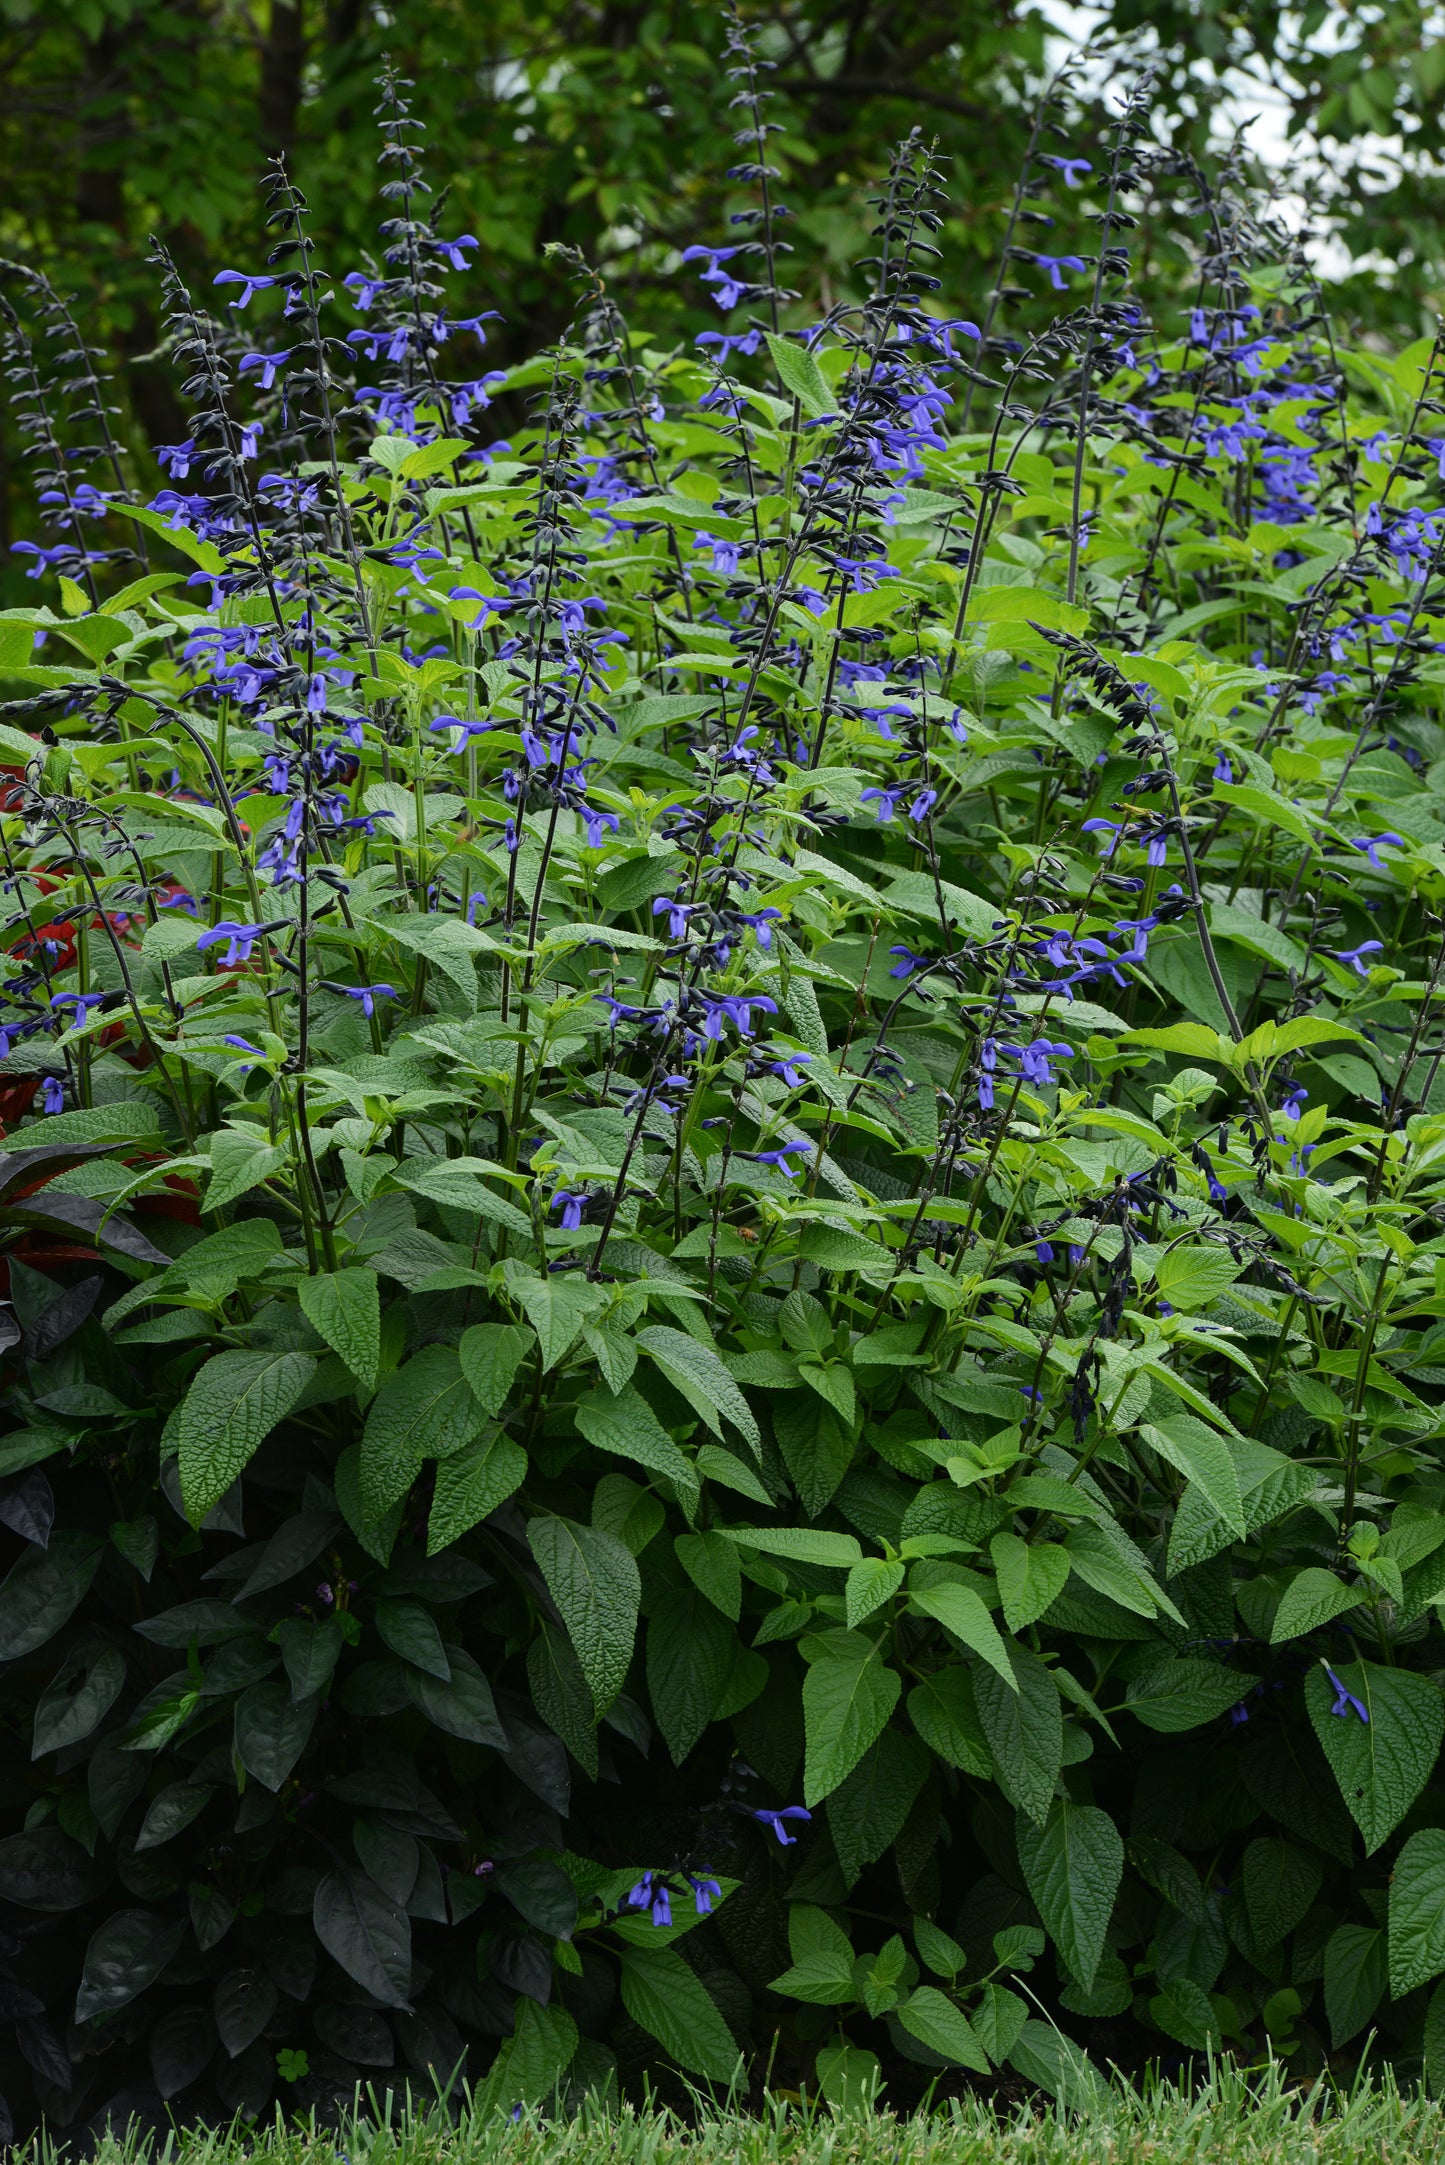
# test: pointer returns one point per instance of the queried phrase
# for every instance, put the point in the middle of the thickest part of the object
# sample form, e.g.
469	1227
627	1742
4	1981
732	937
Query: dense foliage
722	1181
596	123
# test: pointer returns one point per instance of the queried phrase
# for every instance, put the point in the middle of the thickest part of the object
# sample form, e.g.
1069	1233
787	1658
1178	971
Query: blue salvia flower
1345	1701
775	1820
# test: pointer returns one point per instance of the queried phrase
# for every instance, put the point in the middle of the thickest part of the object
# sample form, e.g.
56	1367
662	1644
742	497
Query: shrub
722	1183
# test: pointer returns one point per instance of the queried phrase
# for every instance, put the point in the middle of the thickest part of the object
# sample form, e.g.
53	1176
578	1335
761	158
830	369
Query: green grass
1252	2120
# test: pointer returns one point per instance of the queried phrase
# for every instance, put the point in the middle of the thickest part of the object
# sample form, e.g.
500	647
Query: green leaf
1024	1724
556	1309
1073	1865
690	1652
1417	1912
560	1695
1203	1457
800	1544
961	1611
407	1627
848	1695
271	1732
344	1308
1184	2011
426	1410
623	1424
1383	1764
1045	2057
822	1968
463	1705
699	1374
711	1562
800	374
78	1699
1030	1575
870	1584
1280	1885
1180	1694
238	1164
867	1811
126	1954
470	1485
366	1932
491	1354
42	1590
1314	1597
1356	1973
669	2000
817	1446
931	2017
594	1581
944	1711
232	1406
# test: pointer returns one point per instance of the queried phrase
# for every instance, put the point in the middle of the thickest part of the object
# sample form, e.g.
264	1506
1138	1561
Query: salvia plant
724	1171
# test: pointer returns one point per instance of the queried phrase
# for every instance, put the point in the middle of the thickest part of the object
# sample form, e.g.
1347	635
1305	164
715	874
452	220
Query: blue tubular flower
82	1002
705	1892
368	995
885	799
1373	844
1352	955
571	1203
1345	1701
52	1092
242	939
1293	1100
1072	169
907	961
724	553
922	805
651	1892
246	282
677	912
789	1070
779	1157
736	1008
1055	264
264	366
775	1821
1110	827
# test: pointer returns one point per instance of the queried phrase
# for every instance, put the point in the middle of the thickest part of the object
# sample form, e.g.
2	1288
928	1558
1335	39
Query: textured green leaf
822	1965
470	1485
1073	1864
801	375
848	1695
623	1424
944	1711
462	1705
962	1612
1417	1912
344	1308
1356	1973
703	1381
1183	1693
690	1651
1024	1724
803	1544
491	1354
1383	1764
1280	1885
232	1406
556	1309
1201	1454
711	1562
1030	1575
1313	1598
670	2002
426	1410
271	1732
931	2017
594	1581
870	1584
866	1812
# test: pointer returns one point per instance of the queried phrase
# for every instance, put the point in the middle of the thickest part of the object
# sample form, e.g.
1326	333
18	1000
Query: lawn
1234	2119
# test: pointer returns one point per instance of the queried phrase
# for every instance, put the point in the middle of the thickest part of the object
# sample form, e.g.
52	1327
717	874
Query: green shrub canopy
721	1191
